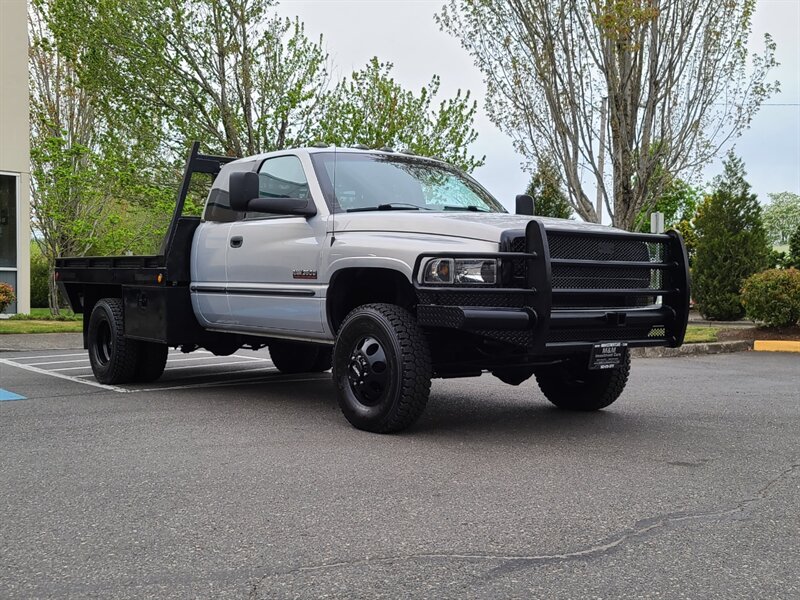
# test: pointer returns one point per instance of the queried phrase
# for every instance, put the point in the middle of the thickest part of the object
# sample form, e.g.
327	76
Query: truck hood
478	226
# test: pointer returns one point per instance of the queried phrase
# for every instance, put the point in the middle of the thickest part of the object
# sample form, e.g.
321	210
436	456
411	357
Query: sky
404	32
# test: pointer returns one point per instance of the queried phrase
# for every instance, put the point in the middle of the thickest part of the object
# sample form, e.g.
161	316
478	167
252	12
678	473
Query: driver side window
280	177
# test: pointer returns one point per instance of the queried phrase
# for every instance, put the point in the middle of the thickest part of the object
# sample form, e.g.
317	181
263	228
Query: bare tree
677	76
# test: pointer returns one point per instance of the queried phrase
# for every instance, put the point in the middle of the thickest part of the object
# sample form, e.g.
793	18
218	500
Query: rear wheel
113	357
298	357
324	360
151	362
382	368
573	387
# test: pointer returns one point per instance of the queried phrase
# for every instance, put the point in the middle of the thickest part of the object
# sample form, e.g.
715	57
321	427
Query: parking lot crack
512	561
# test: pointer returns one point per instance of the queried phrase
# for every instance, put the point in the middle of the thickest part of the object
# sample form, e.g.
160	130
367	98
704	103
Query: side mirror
525	205
242	187
283	206
243	191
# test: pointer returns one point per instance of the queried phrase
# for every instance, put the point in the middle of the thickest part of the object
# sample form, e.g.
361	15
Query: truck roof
309	150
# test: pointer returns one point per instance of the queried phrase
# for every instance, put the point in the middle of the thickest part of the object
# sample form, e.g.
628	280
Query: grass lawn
43	314
41	321
698	334
14	326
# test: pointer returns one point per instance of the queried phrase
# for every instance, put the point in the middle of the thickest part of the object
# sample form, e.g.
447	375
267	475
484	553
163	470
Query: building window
8	221
8	233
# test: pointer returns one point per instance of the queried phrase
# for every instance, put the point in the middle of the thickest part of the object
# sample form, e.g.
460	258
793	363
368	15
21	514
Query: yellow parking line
776	346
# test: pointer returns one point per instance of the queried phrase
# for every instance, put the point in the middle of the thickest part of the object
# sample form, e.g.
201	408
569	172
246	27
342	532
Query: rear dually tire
114	358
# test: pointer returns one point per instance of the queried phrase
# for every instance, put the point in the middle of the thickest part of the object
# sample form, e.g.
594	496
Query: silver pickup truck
390	269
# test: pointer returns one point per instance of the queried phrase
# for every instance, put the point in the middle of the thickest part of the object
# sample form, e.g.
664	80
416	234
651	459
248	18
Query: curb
776	346
693	349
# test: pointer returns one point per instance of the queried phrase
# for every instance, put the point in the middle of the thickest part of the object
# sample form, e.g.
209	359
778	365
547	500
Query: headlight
462	271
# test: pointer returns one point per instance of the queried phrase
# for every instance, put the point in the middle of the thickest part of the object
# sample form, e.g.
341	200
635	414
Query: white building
14	153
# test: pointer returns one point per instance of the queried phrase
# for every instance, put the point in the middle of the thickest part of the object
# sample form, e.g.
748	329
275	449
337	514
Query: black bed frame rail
195	163
171	265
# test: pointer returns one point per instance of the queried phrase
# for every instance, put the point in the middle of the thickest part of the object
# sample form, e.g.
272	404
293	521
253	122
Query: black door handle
236	241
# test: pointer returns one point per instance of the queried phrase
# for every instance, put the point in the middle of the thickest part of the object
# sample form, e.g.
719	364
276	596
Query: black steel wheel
572	386
113	357
382	368
367	373
151	362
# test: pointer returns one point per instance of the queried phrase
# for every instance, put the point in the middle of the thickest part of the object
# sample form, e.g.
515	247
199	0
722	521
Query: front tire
113	357
382	368
573	387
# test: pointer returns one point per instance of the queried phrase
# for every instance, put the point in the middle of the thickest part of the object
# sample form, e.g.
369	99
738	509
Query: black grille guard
531	312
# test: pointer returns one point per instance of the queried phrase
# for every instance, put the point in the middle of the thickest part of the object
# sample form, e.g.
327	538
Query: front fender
395	251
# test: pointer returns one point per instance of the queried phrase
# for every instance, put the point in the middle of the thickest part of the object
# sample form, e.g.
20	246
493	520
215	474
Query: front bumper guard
526	315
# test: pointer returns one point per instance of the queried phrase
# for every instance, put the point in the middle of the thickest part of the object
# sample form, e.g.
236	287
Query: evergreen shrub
773	297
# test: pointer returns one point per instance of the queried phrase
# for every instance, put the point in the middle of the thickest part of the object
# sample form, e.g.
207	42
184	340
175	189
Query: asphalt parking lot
227	479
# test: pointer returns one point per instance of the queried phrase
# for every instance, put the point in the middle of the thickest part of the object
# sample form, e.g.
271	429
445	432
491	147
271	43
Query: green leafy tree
731	243
80	168
545	189
372	109
235	75
229	72
590	82
678	202
782	217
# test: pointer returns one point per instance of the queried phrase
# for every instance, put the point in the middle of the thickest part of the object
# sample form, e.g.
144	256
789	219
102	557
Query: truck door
273	260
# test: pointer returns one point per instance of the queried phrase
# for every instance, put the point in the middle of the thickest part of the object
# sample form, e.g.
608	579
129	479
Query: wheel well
354	287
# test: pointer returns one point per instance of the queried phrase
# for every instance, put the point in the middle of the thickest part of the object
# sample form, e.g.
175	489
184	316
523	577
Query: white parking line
199	379
214	364
33	369
218	373
238	362
172	360
49	356
57	362
85	354
242	356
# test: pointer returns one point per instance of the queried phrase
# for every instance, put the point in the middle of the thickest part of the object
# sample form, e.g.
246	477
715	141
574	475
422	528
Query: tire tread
415	379
124	359
601	391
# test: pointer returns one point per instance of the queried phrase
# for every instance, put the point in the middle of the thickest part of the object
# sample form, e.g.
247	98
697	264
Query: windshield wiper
390	206
470	208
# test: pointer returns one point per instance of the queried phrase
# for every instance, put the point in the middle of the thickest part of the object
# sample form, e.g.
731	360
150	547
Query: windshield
361	182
